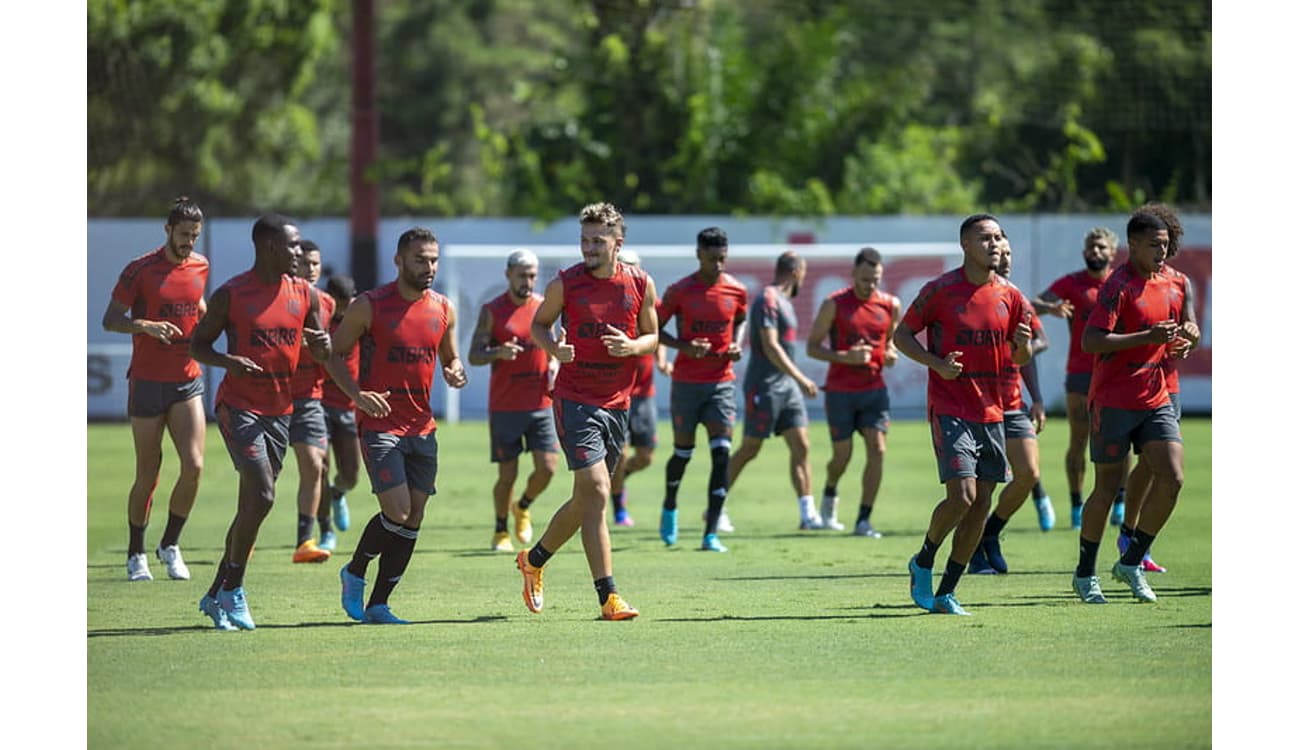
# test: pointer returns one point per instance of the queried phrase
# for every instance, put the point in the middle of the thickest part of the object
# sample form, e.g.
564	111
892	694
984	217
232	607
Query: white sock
806	506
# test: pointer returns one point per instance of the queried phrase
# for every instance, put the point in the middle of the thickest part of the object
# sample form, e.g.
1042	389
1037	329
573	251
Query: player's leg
507	472
1137	488
146	437
188	429
748	451
542	442
1162	449
1076	466
346	449
406	504
842	411
1108	448
841	454
1022	453
873	474
718	413
796	440
965	539
256	496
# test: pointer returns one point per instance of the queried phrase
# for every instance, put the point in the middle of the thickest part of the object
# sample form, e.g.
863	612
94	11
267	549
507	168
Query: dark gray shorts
1018	426
252	439
590	433
692	404
774	409
849	412
340	423
513	432
396	460
643	423
969	449
307	423
1078	383
149	398
1114	431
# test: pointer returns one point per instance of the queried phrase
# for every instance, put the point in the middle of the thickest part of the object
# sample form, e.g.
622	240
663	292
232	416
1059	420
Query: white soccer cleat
170	556
137	568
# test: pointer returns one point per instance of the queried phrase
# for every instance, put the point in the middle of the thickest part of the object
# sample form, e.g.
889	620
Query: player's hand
1022	335
666	367
373	404
697	348
563	349
616	342
733	352
1163	332
891	355
808	387
1064	308
242	365
951	367
163	330
509	350
454	374
858	354
1180	348
316	339
1038	415
1192	333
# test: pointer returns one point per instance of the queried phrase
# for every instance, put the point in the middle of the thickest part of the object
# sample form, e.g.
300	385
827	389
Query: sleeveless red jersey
156	289
979	321
332	396
1129	302
309	379
594	377
1079	289
400	355
519	384
643	385
264	324
704	311
1012	396
858	321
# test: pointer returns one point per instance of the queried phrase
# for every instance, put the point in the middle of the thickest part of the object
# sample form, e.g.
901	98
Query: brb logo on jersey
178	310
980	337
270	338
411	355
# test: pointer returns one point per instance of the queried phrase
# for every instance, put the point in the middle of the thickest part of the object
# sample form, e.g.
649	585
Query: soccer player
773	385
519	398
308	435
1138	322
860	321
1139	479
266	313
407	328
1072	297
609	309
158	299
642	420
968	314
709	306
1021	427
341	423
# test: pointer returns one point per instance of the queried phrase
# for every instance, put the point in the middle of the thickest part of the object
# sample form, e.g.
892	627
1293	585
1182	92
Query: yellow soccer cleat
615	608
501	542
532	582
309	552
523	523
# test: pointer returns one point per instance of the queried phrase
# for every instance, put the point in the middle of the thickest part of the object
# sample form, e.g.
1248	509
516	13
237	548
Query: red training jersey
1171	364
1129	302
1079	289
595	377
154	288
860	321
400	355
518	384
332	395
1012	397
264	324
309	379
643	385
706	311
978	321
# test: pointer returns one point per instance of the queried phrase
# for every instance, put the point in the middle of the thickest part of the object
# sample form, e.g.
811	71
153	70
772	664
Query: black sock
1119	496
864	513
604	587
372	542
718	455
993	526
673	475
524	502
1087	558
1139	545
1039	492
326	525
305	523
234	577
1076	499
1125	531
219	578
925	558
172	534
392	563
135	543
538	555
620	500
501	524
829	490
951	574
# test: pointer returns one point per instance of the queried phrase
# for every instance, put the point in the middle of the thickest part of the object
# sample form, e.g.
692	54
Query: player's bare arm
895	315
481	350
662	362
314	333
356	321
544	320
453	370
118	320
858	354
1100	341
776	355
618	344
948	367
695	348
1048	303
210	326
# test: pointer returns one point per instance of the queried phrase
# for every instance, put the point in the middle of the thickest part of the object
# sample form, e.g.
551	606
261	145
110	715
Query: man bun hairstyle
184	209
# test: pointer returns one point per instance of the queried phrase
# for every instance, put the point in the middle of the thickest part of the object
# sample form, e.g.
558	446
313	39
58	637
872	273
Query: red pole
365	147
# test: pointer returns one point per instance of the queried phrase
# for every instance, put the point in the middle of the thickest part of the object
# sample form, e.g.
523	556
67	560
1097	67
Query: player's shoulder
379	293
437	298
635	272
951	278
731	281
137	264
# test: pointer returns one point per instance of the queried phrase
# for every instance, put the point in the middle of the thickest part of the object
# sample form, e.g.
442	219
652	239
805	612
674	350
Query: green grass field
791	640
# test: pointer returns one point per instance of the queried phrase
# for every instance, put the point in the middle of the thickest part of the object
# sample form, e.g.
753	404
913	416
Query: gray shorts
692	404
643	423
590	433
513	432
1114	431
149	398
1018	425
1177	403
969	449
849	412
774	409
1078	382
396	460
340	423
254	440
307	423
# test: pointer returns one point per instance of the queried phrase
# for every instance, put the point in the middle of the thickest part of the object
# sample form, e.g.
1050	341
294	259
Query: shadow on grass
119	632
900	610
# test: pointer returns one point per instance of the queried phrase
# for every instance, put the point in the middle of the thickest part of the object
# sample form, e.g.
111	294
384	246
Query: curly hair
604	214
1166	214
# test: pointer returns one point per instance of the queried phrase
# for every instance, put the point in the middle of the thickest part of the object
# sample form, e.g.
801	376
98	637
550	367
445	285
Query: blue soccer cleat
922	584
209	607
711	544
339	509
380	614
354	594
1076	516
979	563
235	604
1117	513
668	526
948	605
329	541
1046	514
992	547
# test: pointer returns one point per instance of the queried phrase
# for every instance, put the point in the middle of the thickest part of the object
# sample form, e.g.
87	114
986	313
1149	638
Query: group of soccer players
572	370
